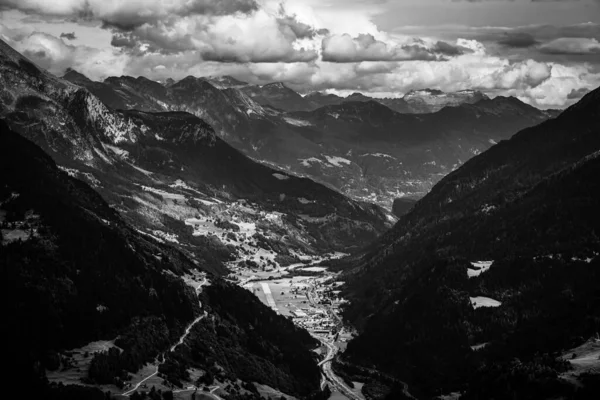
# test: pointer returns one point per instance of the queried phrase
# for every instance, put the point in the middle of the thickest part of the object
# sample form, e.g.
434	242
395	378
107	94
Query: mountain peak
75	76
225	81
275	85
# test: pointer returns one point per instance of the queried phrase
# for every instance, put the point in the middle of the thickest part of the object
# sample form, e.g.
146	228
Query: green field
281	291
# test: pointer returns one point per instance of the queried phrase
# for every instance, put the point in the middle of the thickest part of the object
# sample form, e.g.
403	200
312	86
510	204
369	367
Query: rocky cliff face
163	169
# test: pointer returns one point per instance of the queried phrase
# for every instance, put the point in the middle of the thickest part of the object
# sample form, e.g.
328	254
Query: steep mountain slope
78	273
385	154
424	300
170	175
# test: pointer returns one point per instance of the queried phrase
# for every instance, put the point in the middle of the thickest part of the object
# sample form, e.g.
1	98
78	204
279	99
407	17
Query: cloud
364	47
256	37
68	36
127	15
309	45
229	31
574	46
53	54
575	94
518	40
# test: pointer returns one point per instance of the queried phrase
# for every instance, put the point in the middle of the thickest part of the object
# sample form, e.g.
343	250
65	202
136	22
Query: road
195	389
337	382
137	386
179	342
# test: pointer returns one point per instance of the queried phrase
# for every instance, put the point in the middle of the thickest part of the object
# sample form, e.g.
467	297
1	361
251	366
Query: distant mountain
73	76
414	102
79	273
226	82
428	100
383	154
368	136
278	96
493	272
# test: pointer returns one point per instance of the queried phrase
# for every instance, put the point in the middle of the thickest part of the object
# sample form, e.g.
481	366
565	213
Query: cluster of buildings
320	314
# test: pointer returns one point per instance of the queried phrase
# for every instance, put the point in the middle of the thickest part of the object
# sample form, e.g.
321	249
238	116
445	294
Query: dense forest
75	273
531	205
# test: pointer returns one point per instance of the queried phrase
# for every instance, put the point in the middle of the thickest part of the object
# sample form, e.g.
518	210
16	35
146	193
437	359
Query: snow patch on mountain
478	268
281	177
296	122
381	155
307	162
481	301
302	200
337	161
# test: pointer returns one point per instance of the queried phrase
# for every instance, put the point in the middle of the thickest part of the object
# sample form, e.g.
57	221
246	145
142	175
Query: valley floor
309	296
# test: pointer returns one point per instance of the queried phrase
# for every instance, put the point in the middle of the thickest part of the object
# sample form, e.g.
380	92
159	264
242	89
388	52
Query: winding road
337	382
325	365
172	349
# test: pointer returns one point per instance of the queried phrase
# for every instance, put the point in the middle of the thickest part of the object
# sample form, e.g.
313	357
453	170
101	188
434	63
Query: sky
545	52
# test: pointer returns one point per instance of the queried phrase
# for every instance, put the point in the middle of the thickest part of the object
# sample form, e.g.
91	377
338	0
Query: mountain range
81	273
169	174
125	204
370	149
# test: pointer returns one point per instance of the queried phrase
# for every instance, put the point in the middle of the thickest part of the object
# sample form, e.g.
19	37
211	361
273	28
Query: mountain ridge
527	205
303	142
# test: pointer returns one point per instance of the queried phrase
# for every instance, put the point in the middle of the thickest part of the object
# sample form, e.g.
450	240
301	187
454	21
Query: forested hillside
528	205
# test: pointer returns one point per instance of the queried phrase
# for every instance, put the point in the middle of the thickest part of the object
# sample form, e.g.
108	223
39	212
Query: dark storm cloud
129	19
124	41
346	49
448	49
571	46
226	55
68	35
577	93
518	40
154	38
124	16
220	7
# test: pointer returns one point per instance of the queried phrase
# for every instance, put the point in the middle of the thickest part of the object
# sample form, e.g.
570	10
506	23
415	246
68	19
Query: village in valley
308	295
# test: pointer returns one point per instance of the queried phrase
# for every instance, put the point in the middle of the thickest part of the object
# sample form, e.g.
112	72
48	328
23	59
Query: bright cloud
333	45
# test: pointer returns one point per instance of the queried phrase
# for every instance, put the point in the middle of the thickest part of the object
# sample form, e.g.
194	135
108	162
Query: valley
309	296
209	238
